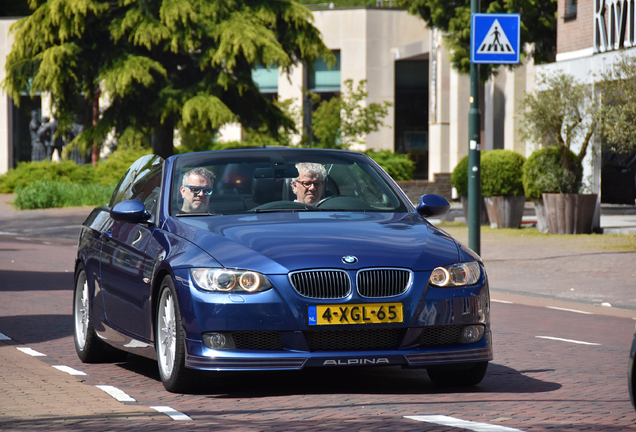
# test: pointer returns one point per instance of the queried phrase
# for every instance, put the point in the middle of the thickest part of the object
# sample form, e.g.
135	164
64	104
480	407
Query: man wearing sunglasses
196	189
308	186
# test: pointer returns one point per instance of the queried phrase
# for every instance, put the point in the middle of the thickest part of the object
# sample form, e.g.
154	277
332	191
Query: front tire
170	341
89	348
465	375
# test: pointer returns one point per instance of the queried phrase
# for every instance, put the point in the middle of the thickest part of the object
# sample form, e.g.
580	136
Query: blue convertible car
277	259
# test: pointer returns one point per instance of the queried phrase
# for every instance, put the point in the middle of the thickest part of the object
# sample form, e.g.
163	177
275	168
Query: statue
45	136
38	151
74	130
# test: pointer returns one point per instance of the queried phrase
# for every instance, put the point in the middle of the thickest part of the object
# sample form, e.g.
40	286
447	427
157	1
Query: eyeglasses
197	189
307	185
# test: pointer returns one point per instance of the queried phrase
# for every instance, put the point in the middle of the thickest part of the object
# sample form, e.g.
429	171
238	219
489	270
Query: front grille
354	340
321	284
441	335
257	340
383	282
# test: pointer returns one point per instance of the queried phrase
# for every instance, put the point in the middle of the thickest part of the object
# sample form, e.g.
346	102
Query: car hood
276	243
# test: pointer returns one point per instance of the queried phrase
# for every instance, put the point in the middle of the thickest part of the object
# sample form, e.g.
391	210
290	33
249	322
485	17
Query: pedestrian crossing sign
495	38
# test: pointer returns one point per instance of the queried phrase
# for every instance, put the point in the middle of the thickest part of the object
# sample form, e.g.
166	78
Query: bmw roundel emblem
349	259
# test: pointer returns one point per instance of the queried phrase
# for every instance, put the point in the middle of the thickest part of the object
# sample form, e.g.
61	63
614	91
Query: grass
50	194
616	242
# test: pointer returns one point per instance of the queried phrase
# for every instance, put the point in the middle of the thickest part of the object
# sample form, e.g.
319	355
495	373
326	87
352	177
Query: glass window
324	78
142	181
257	180
266	79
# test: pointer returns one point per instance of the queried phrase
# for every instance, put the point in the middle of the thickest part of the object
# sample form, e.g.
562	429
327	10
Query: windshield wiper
196	214
273	210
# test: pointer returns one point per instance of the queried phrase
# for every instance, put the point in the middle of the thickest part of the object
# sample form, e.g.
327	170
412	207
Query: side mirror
432	205
130	211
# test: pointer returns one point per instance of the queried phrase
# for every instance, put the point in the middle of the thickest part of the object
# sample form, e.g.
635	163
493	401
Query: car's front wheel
90	349
170	341
468	374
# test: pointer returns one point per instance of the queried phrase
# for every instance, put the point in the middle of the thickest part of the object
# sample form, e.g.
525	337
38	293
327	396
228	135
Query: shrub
48	194
543	173
501	172
459	177
28	172
398	166
111	170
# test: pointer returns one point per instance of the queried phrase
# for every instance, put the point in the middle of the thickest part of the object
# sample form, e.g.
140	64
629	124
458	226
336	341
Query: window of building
570	9
266	79
325	79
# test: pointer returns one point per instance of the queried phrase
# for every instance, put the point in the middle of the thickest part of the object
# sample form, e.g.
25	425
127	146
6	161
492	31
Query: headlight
226	280
460	274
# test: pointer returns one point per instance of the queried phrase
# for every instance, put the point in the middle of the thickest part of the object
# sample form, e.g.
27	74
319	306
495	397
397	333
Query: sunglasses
197	189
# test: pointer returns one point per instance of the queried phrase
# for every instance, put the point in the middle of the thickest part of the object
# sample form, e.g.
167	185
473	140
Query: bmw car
277	259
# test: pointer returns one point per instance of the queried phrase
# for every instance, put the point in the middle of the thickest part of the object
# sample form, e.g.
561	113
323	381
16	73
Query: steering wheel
325	200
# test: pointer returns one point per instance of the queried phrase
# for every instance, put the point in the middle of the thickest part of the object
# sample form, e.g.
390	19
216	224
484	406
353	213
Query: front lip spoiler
336	359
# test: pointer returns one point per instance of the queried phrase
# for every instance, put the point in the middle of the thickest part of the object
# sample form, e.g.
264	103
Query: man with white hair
309	184
196	189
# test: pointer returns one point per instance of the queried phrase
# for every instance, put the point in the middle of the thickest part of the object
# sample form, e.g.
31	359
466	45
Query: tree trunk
163	142
95	148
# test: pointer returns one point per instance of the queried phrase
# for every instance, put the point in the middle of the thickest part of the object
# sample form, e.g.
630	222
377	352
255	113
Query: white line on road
69	370
4	337
116	393
567	340
501	301
569	310
172	413
454	422
31	352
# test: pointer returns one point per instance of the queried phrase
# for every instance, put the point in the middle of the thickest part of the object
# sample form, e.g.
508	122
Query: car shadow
347	380
32	329
35	281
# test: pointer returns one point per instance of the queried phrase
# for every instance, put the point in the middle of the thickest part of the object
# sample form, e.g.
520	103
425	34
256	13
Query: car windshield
279	180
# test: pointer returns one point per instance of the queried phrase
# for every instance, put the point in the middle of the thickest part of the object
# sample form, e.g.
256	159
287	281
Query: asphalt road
560	358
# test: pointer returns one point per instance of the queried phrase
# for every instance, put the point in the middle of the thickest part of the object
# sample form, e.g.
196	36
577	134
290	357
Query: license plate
368	313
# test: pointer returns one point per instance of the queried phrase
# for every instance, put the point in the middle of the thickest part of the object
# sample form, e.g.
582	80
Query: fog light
472	333
217	341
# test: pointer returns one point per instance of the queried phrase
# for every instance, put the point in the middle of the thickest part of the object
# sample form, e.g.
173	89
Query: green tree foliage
618	97
459	177
398	166
562	112
543	173
162	64
538	26
501	173
345	120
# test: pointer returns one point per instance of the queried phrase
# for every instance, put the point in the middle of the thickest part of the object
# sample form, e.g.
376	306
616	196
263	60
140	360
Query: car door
126	271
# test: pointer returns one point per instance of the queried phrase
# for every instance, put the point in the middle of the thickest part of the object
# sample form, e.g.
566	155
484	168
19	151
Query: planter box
484	214
505	211
570	213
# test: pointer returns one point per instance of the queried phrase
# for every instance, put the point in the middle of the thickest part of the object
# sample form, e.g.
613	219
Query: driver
196	189
308	186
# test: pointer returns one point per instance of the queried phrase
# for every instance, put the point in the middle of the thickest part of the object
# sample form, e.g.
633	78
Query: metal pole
474	157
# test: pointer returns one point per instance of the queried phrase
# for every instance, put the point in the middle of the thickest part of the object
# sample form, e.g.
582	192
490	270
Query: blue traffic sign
495	38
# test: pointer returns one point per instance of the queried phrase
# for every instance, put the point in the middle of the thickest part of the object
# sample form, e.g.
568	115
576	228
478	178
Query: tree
343	120
161	64
538	26
564	111
618	92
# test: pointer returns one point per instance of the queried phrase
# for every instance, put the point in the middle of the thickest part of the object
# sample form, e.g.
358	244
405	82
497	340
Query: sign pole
474	157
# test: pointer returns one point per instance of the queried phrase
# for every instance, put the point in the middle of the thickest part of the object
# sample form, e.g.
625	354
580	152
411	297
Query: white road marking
5	337
172	413
569	310
69	370
567	340
116	393
454	422
501	301
31	352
